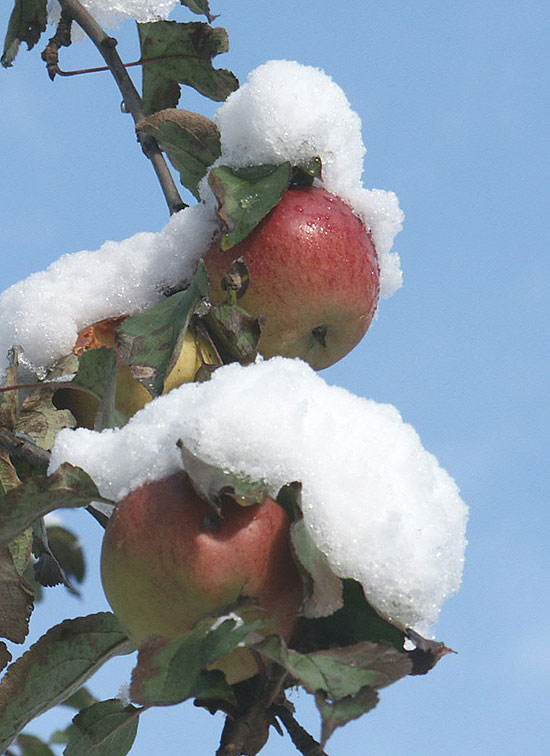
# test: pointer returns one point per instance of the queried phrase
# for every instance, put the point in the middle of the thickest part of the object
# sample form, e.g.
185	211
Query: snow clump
111	13
43	313
374	500
287	111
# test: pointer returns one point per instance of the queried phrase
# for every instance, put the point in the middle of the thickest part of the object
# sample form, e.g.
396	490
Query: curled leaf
149	342
191	141
27	22
246	195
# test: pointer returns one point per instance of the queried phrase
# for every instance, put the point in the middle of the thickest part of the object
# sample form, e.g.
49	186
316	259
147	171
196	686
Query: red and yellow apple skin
313	273
167	562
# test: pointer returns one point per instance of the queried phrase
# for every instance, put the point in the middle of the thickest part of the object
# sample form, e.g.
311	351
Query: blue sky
454	101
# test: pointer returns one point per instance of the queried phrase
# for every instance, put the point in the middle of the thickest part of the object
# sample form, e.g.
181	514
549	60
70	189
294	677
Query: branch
132	101
247	733
25	450
304	742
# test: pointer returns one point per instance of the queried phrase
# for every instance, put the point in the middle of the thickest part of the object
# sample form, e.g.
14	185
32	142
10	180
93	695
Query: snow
287	111
44	313
375	501
110	13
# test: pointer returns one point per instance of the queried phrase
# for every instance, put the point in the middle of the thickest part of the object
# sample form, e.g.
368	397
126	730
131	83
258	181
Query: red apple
313	272
168	561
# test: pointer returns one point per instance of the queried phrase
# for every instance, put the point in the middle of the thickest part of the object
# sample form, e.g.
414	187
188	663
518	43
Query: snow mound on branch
374	500
290	112
111	13
43	313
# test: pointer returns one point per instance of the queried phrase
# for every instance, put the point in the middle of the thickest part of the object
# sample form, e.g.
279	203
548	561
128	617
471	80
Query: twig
247	733
304	742
132	101
24	449
140	62
61	38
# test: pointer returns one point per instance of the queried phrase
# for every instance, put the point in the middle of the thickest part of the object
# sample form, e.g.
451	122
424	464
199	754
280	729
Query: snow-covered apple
313	273
169	560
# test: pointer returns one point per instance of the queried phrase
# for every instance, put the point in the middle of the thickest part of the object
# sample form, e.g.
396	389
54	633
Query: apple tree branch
106	45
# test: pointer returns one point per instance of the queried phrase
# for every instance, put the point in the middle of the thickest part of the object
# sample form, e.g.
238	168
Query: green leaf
200	7
68	487
20	550
169	672
97	371
55	667
246	195
339	713
318	671
338	672
27	22
8	475
106	728
17	595
67	549
323	589
39	419
191	141
80	699
5	656
9	400
61	737
30	745
187	51
305	173
356	621
17	600
235	333
150	341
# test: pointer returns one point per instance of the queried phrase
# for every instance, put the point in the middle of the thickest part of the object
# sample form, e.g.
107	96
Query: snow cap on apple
286	111
291	112
119	278
374	500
